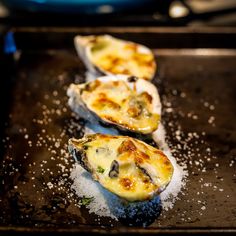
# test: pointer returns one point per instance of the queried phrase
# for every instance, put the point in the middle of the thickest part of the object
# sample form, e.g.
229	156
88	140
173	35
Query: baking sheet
197	88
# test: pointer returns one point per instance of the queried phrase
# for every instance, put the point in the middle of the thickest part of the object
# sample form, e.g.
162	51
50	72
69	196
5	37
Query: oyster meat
127	167
126	102
106	55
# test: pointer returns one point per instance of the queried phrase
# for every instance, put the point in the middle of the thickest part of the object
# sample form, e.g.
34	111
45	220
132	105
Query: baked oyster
127	167
126	102
106	55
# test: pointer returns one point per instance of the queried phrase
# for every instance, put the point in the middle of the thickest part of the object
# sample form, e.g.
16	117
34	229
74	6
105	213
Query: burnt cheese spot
143	155
93	40
116	83
125	71
105	137
146	96
115	61
150	63
158	152
166	162
92	86
140	157
131	46
102	95
163	158
104	101
135	111
169	168
126	146
127	183
110	118
112	62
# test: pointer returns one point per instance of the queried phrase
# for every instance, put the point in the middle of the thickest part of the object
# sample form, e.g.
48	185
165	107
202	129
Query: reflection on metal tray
197	88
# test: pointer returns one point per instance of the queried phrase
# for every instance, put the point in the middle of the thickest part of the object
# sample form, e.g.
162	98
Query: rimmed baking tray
197	82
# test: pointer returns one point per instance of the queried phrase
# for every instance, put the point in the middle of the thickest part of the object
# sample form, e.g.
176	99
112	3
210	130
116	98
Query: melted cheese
116	102
143	170
121	57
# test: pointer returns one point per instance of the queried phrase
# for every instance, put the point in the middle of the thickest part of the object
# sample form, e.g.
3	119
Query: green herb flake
85	201
99	46
100	170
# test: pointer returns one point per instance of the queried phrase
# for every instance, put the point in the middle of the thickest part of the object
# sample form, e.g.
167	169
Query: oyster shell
106	55
127	167
126	102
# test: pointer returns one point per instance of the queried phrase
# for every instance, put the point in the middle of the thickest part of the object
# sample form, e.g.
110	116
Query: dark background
118	12
42	31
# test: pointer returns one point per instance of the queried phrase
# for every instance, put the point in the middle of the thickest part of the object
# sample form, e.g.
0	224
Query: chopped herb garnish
85	201
100	170
99	46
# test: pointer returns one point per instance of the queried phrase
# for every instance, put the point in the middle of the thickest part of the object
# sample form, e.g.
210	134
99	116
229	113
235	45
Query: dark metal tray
197	83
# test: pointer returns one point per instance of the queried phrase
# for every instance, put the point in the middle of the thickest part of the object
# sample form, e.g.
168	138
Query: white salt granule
195	117
54	93
212	107
57	144
50	185
203	208
211	119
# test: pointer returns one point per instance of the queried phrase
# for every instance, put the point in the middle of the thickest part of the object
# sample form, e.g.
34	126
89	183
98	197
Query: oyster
127	167
107	55
126	102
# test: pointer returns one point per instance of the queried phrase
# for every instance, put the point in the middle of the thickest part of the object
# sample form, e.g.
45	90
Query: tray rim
125	230
120	230
128	29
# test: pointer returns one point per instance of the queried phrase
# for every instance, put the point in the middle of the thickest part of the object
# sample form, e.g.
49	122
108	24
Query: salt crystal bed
42	187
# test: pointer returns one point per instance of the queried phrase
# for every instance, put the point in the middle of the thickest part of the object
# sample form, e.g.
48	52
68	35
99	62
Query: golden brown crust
125	166
126	146
127	183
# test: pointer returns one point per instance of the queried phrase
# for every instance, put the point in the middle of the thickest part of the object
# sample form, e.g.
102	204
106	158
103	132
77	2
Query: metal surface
195	85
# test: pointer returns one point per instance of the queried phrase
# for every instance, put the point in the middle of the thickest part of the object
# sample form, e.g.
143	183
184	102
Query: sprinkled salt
212	107
168	196
57	144
85	186
211	119
50	185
